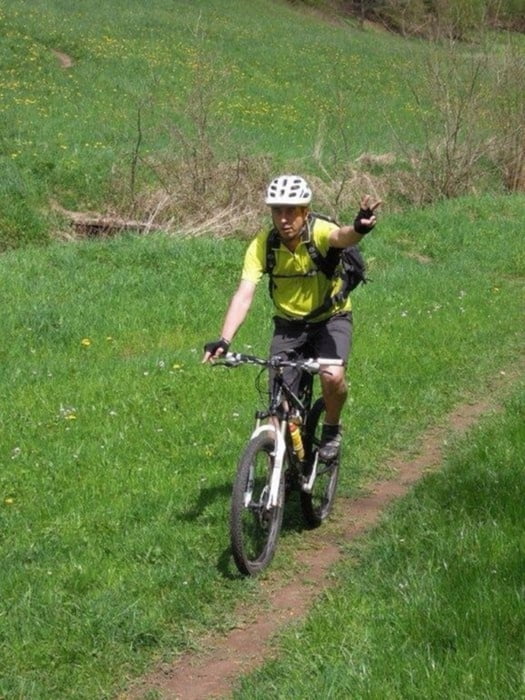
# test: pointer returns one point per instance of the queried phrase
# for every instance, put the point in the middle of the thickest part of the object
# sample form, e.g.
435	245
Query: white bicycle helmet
288	190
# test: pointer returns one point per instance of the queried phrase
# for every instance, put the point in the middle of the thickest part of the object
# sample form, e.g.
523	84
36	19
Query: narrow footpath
212	672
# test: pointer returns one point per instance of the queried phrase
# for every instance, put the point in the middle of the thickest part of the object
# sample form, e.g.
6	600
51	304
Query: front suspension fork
279	430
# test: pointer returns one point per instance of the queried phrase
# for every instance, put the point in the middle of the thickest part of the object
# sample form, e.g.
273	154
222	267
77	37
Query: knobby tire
254	529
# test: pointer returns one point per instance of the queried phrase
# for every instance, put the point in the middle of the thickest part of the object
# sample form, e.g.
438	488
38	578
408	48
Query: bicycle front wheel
316	506
254	524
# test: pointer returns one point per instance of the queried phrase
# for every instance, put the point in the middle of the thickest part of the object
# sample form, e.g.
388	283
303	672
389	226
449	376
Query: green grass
69	135
129	54
119	447
432	604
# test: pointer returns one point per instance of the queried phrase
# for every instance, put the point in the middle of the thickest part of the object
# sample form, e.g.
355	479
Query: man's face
289	221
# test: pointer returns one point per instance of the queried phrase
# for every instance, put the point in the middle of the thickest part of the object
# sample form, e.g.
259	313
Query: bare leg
335	391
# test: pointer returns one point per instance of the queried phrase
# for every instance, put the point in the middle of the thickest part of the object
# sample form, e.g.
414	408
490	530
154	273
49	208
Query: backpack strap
272	244
325	263
328	264
352	273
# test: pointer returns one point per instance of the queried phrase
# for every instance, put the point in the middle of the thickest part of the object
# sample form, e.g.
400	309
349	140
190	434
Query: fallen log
90	224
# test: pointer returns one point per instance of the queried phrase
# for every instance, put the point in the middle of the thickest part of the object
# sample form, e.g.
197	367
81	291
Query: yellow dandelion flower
86	342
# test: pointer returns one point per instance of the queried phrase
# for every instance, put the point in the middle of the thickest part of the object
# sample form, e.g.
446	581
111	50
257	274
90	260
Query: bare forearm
237	311
344	237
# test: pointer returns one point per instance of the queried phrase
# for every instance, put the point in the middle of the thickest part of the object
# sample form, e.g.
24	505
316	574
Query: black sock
330	431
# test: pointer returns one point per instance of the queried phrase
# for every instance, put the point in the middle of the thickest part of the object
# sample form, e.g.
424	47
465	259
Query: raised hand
365	220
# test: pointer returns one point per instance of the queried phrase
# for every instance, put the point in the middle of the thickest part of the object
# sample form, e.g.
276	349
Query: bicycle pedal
306	487
308	480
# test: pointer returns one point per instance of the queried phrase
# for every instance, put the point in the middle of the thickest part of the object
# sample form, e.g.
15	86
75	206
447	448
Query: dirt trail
211	673
64	60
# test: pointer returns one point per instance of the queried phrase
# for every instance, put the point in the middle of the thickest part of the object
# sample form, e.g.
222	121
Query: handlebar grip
238	358
327	362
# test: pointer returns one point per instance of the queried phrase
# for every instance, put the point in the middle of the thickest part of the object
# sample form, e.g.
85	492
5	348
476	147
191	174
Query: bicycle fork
307	482
278	458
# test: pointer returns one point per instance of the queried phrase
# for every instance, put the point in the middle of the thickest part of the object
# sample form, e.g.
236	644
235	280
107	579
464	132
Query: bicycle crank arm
308	484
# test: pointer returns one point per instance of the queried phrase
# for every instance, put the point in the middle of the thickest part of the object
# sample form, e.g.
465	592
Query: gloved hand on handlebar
215	348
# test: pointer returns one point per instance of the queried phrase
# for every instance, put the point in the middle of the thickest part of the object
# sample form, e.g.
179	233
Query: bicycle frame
282	402
274	462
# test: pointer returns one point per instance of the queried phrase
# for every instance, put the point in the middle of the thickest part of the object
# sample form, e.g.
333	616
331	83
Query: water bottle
297	440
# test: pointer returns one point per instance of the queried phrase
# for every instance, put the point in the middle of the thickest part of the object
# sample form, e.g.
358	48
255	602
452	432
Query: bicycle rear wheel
316	506
255	527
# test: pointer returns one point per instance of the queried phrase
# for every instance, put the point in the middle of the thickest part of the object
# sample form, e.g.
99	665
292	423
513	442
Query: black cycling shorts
331	338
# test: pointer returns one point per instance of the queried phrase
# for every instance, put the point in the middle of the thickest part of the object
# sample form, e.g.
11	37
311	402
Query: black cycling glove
215	345
359	226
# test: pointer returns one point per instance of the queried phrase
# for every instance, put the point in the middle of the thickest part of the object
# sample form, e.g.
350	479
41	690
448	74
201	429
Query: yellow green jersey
298	287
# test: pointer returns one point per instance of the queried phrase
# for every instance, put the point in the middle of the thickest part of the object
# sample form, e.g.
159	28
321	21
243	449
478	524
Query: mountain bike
282	455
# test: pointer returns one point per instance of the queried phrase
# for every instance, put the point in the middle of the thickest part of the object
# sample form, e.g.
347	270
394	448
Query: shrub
508	111
440	18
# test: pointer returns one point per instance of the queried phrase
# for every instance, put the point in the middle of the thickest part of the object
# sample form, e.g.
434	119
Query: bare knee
335	385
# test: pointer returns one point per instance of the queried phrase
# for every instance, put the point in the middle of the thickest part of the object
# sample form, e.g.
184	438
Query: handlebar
311	365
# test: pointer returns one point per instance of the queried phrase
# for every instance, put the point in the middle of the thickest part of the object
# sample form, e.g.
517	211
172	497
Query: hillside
137	141
175	116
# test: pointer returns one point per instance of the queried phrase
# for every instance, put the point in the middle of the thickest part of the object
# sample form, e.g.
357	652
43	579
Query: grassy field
118	447
208	81
432	604
152	57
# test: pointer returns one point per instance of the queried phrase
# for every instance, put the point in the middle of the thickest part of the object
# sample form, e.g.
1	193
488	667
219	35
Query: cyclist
297	288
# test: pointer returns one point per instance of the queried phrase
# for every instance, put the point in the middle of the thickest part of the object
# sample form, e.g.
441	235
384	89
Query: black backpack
347	263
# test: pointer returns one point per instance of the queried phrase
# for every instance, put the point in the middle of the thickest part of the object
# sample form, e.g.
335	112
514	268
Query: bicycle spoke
254	525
